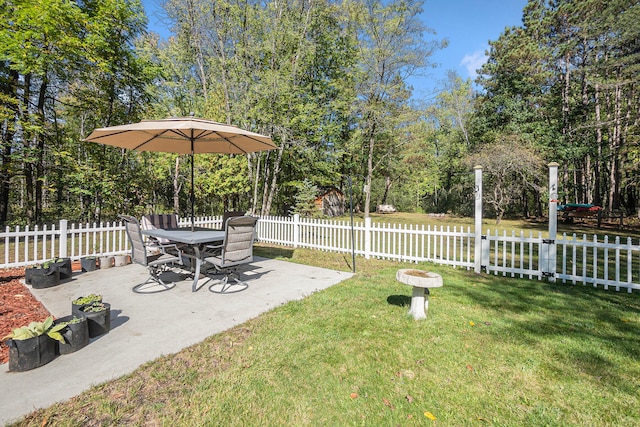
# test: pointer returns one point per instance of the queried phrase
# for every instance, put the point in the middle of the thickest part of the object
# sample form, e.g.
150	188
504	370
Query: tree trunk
176	187
266	207
29	192
614	168
387	187
255	177
40	136
367	189
597	195
8	132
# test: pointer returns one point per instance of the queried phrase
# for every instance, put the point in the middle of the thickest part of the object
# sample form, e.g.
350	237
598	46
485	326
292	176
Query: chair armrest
171	246
210	250
163	247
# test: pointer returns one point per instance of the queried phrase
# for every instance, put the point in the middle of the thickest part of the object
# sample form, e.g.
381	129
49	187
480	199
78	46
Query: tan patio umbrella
183	135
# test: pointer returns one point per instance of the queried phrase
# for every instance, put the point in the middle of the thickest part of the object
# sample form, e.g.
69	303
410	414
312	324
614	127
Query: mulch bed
18	307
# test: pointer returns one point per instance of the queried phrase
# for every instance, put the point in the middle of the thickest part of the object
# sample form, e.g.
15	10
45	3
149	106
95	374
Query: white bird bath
421	281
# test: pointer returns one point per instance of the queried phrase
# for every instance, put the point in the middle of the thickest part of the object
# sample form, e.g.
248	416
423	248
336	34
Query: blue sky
467	24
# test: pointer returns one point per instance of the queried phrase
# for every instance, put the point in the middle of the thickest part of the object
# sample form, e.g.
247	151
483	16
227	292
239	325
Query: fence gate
516	255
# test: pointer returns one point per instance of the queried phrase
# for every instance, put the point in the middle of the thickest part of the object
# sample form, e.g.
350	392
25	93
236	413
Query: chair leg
223	286
155	282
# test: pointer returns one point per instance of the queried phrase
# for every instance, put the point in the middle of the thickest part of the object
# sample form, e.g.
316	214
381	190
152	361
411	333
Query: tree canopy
329	81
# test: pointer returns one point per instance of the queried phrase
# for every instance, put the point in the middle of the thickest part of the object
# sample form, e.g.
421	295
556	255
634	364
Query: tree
567	82
305	198
67	66
509	170
392	48
447	119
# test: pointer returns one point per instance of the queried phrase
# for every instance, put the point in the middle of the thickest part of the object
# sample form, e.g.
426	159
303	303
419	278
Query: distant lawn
493	352
580	227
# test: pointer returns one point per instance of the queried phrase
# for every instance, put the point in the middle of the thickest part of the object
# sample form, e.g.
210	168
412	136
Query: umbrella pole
193	197
192	194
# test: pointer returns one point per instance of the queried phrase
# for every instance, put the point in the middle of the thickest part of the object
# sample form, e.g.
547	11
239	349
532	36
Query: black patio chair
235	250
156	262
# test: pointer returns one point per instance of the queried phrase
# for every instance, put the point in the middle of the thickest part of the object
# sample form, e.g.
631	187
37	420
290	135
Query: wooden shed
330	201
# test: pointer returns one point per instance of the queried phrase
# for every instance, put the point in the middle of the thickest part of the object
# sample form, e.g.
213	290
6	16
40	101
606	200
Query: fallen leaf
354	395
471	323
387	403
408	373
409	398
430	415
469	367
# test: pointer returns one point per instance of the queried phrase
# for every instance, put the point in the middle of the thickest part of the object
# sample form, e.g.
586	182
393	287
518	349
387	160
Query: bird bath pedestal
421	282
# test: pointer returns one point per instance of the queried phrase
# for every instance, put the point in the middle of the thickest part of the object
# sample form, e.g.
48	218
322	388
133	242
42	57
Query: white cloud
473	62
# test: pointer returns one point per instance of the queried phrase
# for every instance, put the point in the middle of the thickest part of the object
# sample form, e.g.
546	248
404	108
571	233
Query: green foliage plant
73	321
49	263
35	329
94	307
89	299
305	198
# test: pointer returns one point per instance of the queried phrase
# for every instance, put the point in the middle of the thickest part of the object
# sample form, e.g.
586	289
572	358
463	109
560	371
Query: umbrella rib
230	140
150	139
106	135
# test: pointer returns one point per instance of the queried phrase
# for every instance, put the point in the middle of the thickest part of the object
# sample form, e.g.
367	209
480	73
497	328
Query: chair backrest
230	214
153	221
134	232
238	239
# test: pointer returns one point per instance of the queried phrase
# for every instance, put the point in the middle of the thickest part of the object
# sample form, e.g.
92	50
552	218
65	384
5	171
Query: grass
493	352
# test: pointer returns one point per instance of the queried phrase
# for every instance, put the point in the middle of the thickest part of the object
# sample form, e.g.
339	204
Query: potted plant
98	316
106	261
78	303
63	265
75	332
42	276
33	345
89	263
120	260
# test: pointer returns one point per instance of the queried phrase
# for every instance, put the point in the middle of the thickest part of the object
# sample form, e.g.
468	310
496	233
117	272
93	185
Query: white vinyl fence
607	262
36	245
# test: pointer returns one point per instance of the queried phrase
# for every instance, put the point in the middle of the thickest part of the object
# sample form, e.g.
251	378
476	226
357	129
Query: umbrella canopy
183	135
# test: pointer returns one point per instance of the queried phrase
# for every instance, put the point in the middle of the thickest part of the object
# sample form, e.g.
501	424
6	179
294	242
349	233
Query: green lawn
493	352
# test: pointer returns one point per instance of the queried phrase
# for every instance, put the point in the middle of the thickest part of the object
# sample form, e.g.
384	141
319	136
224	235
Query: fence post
367	237
553	220
296	230
62	249
478	221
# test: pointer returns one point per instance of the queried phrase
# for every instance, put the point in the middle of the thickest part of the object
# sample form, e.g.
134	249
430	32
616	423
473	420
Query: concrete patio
140	325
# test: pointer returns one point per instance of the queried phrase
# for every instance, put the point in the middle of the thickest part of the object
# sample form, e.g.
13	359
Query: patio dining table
193	239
